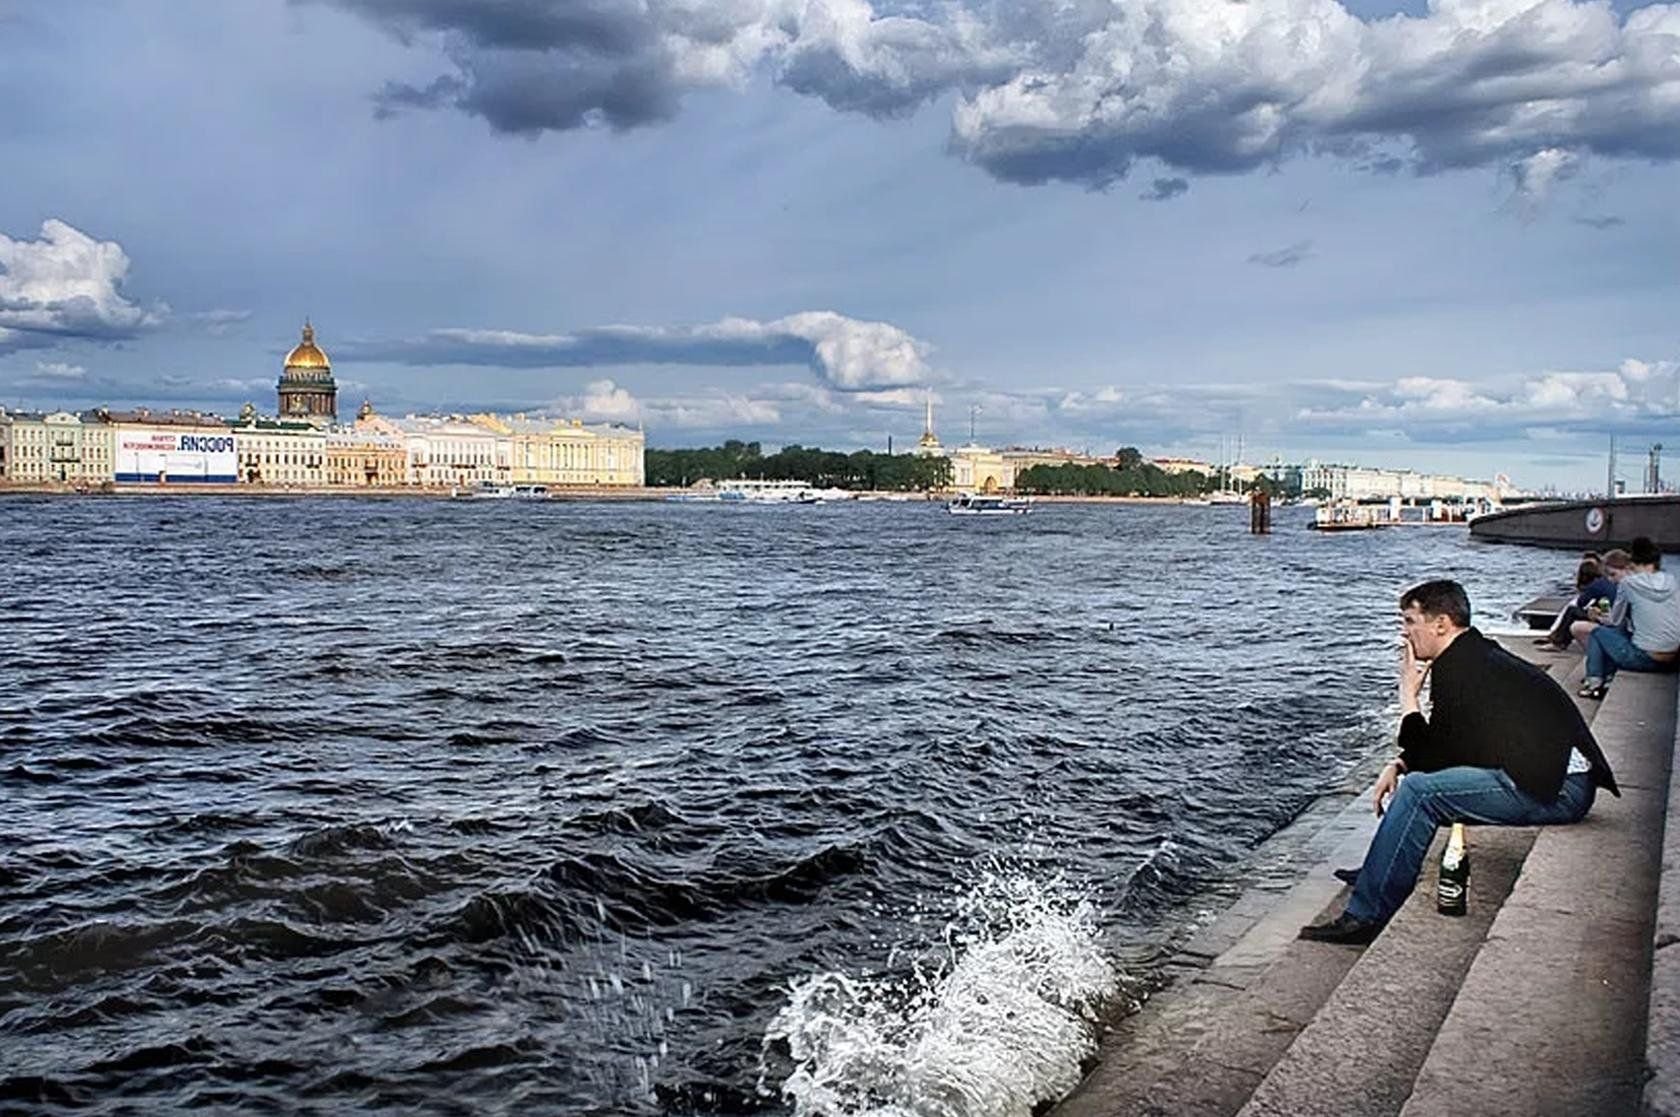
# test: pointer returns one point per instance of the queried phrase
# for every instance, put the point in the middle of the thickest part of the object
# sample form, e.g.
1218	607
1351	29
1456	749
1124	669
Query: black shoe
1346	876
1342	929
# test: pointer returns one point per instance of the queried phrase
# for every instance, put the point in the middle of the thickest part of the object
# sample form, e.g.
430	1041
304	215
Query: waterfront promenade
1558	994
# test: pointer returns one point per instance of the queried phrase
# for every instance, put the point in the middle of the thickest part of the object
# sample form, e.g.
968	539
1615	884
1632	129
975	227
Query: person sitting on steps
1615	564
1646	599
1593	591
1503	745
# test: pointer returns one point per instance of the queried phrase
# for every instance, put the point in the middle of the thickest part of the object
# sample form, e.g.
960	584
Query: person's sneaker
1593	688
1344	929
1346	876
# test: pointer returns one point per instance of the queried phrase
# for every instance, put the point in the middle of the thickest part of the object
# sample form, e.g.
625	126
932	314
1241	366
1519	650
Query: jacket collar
1460	646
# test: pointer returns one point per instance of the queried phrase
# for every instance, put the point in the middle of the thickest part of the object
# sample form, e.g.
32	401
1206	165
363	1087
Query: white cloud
1637	396
65	285
59	370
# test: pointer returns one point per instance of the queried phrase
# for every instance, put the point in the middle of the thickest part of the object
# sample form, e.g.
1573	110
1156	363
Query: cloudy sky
1442	236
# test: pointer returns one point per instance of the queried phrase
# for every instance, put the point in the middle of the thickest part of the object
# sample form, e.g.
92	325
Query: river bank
1546	999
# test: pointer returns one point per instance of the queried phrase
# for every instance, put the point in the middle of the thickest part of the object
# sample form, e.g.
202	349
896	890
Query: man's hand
1412	675
1387	782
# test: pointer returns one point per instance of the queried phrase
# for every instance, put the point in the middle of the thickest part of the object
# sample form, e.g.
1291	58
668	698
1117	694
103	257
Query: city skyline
786	223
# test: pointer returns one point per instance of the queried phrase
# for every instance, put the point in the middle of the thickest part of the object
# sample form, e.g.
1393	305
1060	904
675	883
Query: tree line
824	469
1129	475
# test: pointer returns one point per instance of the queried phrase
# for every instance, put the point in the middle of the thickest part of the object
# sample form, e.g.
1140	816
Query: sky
1434	236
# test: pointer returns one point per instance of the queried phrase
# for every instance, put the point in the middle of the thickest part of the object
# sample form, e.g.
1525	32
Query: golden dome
307	354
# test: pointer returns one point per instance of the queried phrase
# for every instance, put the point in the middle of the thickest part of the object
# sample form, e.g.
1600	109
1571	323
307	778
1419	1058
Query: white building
279	451
451	450
1353	482
172	447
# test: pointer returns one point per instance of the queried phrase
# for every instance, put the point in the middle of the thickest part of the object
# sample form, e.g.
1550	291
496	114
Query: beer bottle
1452	886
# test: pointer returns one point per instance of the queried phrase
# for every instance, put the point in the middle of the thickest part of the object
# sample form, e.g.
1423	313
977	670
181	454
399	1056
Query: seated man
1646	599
1503	746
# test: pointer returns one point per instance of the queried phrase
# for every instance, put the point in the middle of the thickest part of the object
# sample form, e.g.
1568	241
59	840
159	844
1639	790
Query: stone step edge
1536	922
1384	1014
1661	1096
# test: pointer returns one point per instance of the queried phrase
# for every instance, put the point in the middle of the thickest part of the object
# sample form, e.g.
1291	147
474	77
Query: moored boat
973	504
744	491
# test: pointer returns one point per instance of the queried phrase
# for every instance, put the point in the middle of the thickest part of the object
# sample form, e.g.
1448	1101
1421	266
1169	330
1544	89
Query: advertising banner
184	455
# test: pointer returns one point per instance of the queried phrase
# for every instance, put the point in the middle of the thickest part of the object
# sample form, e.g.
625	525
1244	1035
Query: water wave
997	1025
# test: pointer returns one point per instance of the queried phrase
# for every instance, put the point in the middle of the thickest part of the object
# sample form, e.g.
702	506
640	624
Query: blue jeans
1426	800
1609	648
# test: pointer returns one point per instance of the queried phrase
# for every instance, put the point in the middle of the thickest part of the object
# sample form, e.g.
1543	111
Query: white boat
766	492
1226	496
490	490
972	504
484	490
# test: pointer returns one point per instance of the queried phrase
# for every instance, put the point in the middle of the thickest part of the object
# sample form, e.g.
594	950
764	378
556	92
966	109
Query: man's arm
1416	735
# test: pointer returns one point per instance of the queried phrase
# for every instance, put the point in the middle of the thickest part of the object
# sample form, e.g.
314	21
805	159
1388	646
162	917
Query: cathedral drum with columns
307	389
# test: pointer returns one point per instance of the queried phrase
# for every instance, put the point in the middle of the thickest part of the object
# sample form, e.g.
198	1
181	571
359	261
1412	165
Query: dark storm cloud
845	353
1082	91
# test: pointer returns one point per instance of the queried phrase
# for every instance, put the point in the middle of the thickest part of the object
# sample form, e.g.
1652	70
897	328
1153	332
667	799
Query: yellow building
981	470
545	451
369	453
279	451
56	447
1022	459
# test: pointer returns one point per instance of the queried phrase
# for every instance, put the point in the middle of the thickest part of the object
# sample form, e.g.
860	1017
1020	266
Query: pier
1559	993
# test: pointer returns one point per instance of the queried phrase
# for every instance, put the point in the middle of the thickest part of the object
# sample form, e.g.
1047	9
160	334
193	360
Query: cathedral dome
307	354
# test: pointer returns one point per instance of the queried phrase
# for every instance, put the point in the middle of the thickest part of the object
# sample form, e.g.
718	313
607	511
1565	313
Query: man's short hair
1616	559
1643	552
1441	598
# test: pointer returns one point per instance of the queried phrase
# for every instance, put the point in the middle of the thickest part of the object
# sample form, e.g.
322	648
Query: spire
927	429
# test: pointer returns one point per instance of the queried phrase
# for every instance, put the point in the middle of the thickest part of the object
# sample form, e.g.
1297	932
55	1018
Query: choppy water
647	809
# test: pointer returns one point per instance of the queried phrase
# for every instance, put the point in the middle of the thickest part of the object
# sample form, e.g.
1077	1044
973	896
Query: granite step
1366	1050
1260	1023
1360	1054
1556	998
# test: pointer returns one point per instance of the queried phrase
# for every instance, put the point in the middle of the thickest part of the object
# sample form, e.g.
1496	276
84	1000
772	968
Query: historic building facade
370	453
56	447
981	470
446	451
307	390
566	452
279	451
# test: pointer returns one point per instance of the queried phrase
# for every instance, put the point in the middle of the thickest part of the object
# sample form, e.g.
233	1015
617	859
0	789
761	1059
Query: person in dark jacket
1595	593
1503	746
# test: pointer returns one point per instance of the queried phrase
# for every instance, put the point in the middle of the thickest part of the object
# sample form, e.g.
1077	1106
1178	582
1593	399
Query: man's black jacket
1491	709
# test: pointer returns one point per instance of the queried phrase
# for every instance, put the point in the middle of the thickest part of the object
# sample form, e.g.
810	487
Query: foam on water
999	1020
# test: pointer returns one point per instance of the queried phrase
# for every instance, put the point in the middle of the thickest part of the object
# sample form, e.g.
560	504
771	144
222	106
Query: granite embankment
1558	994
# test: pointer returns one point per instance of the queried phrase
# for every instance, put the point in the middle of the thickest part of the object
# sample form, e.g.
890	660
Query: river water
478	807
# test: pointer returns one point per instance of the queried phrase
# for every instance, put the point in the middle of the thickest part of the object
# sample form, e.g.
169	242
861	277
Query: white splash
1001	1022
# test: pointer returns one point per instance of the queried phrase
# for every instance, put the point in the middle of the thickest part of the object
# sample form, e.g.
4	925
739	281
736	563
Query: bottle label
1449	895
